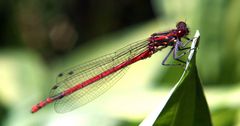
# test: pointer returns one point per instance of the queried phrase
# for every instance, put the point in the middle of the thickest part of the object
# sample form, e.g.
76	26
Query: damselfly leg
179	47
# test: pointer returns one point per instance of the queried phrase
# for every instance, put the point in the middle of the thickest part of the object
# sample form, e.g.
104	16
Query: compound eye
181	25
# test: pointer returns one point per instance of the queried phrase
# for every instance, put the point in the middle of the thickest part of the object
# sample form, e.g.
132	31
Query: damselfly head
182	29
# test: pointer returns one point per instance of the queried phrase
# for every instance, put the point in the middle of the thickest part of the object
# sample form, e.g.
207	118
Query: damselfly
82	84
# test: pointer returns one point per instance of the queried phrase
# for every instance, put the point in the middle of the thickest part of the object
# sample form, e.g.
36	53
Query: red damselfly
81	84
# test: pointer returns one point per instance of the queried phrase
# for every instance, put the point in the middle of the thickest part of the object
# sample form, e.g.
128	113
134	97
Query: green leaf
186	104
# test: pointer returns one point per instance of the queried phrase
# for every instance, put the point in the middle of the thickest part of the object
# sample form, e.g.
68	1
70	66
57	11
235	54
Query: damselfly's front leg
166	58
179	46
183	46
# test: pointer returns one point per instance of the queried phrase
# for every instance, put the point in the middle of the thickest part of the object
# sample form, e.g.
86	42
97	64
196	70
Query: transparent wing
81	73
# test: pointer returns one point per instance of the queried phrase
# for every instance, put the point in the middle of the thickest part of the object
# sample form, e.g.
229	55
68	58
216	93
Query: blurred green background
41	38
